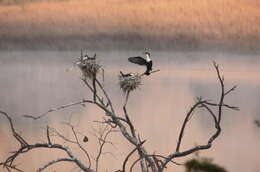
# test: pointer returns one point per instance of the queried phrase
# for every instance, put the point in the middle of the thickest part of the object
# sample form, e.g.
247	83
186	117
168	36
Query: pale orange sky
176	87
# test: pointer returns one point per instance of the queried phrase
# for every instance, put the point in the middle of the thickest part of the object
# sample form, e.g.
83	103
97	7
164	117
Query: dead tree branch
216	118
112	119
35	117
54	162
102	140
128	156
80	146
26	147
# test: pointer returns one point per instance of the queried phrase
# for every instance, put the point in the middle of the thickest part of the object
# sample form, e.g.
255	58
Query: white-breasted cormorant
143	61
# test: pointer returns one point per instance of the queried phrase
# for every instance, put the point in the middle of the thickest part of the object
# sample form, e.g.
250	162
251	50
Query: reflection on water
34	81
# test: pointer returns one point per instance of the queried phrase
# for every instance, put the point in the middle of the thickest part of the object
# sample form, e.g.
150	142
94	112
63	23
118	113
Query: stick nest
88	67
130	83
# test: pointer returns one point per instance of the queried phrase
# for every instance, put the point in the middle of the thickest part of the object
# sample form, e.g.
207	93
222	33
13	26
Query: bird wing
137	60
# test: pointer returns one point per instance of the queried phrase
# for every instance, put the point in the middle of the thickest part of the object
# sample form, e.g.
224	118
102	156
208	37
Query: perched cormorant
145	62
126	75
86	57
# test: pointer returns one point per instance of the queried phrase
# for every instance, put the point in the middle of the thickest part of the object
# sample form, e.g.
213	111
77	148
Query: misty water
31	82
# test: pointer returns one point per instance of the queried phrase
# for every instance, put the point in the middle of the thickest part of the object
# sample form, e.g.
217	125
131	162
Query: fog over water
32	82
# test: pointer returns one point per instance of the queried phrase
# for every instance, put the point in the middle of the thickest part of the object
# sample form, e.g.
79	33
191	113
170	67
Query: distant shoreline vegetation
19	2
128	41
130	24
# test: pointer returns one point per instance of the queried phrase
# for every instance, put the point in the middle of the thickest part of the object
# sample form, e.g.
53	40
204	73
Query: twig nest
89	67
130	83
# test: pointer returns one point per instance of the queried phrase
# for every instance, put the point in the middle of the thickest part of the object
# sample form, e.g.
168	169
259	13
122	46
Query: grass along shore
231	24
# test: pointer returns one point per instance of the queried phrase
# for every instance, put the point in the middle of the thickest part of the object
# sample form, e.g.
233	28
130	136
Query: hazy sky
34	81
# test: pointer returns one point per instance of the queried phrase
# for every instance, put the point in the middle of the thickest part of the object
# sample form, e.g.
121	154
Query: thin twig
185	122
48	135
128	156
230	90
54	162
102	142
94	88
15	134
106	95
224	105
80	146
35	117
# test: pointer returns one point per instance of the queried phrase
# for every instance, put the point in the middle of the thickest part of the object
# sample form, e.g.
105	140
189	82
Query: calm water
31	82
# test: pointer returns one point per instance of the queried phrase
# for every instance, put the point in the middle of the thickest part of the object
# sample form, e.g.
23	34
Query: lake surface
32	82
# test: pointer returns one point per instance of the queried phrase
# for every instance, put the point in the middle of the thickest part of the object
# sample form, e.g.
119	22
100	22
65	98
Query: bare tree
114	121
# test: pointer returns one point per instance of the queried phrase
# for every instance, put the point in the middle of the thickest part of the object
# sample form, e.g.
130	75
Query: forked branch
216	119
100	98
26	147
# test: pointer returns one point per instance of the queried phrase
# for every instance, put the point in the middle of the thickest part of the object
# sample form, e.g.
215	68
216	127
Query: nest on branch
130	83
89	67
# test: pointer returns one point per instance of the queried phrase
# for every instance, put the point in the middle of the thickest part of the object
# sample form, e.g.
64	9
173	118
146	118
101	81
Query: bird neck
148	58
